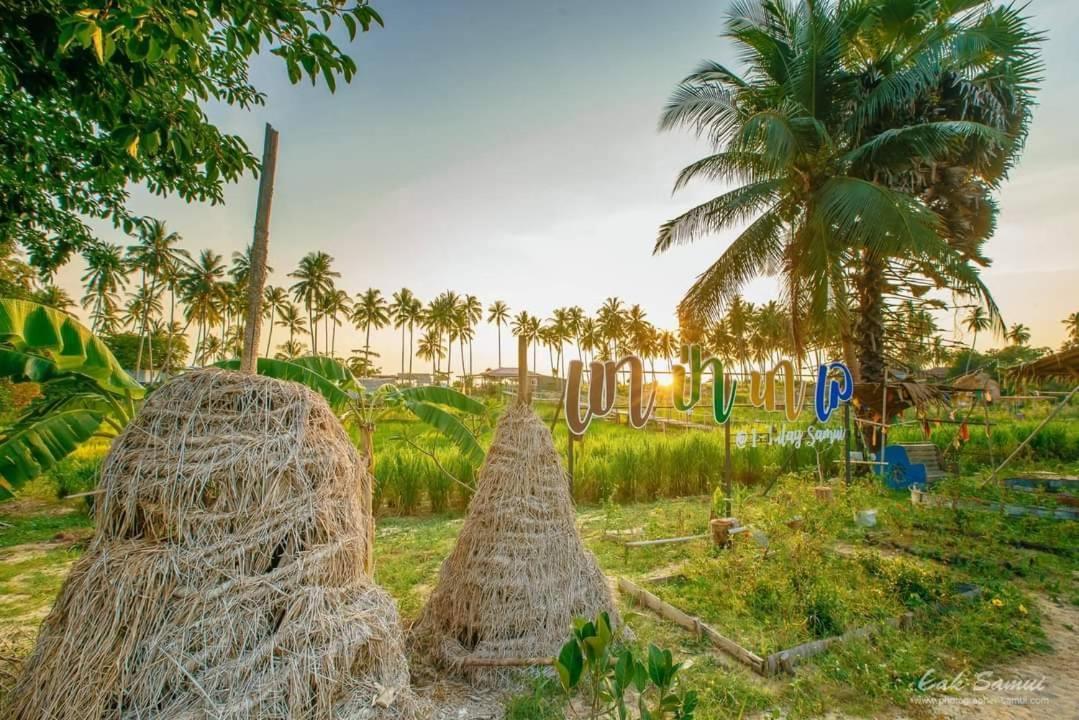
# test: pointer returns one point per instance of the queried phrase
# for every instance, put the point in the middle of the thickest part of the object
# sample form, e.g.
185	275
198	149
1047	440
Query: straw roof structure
225	579
519	573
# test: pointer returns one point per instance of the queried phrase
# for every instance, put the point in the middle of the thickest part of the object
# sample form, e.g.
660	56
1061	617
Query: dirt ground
1058	672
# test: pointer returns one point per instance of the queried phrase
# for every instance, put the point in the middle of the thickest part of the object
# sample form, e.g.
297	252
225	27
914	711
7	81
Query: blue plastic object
898	471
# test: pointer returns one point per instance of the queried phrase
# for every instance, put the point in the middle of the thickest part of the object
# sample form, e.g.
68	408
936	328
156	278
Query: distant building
506	377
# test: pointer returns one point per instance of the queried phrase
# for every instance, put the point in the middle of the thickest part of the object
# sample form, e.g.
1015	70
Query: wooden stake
256	280
524	390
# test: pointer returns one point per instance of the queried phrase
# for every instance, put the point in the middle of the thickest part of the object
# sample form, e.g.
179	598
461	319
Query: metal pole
728	489
259	250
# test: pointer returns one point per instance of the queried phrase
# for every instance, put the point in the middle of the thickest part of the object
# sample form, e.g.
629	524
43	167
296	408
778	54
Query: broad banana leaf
43	343
34	446
337	397
449	426
444	396
328	368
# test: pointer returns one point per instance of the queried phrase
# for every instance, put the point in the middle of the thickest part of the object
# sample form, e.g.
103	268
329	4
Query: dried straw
519	573
225	579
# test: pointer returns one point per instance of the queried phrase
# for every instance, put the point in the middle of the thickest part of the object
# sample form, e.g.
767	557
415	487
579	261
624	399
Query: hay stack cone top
519	573
226	576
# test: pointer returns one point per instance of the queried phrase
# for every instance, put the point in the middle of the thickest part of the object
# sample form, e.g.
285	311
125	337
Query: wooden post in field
728	471
259	250
846	442
569	461
524	389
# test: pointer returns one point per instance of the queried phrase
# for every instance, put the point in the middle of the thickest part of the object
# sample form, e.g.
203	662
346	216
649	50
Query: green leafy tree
95	96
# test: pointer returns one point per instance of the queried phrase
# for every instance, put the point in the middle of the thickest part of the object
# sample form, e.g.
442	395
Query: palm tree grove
713	360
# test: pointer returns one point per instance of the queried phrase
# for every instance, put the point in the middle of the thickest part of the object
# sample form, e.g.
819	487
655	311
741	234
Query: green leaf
449	426
28	328
441	395
296	371
37	445
569	665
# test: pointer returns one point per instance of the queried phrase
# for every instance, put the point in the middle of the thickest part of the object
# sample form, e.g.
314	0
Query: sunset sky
509	150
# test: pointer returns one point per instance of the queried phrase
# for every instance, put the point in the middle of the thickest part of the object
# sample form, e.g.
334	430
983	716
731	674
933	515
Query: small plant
610	672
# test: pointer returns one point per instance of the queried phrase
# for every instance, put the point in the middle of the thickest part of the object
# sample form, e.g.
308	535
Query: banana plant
352	402
85	391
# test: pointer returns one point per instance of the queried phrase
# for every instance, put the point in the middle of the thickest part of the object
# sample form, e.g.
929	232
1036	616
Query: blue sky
509	150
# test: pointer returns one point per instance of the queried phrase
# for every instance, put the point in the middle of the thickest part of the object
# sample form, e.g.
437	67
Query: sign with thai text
834	386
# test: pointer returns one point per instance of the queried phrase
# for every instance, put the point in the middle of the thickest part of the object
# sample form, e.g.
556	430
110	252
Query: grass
828	577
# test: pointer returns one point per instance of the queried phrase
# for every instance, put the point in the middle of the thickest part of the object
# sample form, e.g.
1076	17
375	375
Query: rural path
1059	668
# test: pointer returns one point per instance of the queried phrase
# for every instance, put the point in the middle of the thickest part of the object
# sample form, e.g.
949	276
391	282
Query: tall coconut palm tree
527	326
274	298
290	350
292	319
156	257
104	279
400	308
56	297
1071	326
611	323
314	279
1018	334
589	338
472	309
976	321
335	305
498	314
205	296
430	348
414	315
862	141
370	310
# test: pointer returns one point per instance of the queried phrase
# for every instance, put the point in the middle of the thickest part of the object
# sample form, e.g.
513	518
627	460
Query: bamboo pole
1043	423
259	250
694	624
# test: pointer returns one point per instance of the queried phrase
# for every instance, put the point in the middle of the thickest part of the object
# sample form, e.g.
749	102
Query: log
786	660
689	622
661	541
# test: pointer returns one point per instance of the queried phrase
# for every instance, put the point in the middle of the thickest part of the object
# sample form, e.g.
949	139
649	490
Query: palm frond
760	245
718	213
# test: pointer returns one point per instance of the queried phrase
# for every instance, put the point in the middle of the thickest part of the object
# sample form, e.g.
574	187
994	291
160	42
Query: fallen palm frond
225	579
519	574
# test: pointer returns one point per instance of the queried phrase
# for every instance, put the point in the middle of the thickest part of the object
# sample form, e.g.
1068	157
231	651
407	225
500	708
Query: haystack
225	579
519	573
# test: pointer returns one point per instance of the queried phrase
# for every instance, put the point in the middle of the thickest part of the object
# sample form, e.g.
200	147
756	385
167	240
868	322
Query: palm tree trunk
402	348
410	353
269	333
172	320
499	326
367	348
870	332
